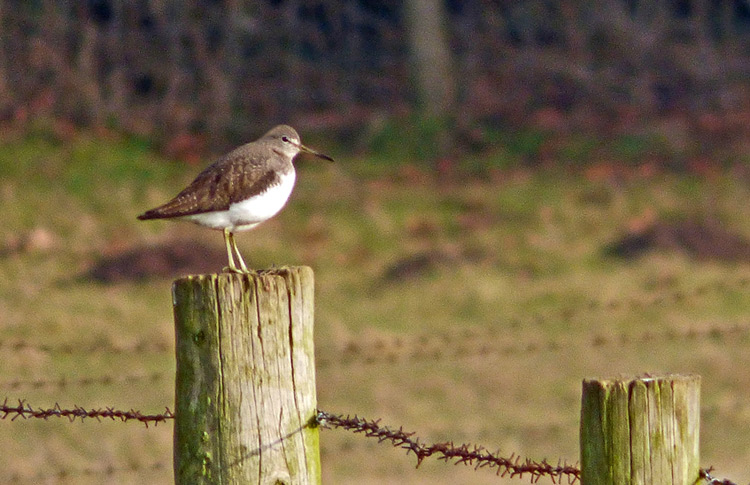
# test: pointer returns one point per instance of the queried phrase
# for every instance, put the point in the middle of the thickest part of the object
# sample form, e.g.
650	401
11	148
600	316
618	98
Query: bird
240	190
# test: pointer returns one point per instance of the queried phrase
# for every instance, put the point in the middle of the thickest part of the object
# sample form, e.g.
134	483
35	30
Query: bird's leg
243	266
228	239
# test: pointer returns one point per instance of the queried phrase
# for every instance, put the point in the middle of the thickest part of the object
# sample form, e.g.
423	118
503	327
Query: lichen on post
245	384
640	431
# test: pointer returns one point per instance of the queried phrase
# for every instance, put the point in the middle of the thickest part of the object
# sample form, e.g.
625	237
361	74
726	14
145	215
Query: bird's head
286	139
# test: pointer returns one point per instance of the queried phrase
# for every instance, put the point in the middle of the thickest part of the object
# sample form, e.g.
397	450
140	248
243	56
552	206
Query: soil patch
706	241
168	260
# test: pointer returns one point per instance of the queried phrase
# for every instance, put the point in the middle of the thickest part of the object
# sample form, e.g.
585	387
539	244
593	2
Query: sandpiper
242	189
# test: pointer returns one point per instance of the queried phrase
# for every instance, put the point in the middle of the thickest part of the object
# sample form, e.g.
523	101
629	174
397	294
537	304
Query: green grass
517	259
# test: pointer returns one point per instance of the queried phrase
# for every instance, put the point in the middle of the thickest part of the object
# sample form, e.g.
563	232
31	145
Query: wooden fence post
245	385
640	431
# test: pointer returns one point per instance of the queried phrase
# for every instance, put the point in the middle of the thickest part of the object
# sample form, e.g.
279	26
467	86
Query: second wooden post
640	431
245	385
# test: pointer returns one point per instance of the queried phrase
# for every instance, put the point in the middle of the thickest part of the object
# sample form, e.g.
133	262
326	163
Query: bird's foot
232	269
229	269
274	269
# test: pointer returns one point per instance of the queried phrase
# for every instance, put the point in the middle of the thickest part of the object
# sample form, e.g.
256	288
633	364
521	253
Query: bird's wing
231	179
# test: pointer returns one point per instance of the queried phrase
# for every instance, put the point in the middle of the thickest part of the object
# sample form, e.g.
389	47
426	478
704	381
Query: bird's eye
285	139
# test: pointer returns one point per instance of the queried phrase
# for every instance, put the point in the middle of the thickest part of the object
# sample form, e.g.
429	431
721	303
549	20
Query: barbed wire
25	411
107	471
477	456
452	343
579	309
142	347
464	343
63	382
472	455
633	303
147	345
471	344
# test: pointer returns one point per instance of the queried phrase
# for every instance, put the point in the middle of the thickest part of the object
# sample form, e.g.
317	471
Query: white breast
247	214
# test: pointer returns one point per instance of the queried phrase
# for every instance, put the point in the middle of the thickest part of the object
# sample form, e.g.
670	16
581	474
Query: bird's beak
313	152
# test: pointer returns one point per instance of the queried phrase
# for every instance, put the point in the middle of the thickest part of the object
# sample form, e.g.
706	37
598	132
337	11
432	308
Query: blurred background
527	193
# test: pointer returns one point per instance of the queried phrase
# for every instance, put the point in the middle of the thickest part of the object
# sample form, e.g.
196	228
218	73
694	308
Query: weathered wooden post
640	431
245	385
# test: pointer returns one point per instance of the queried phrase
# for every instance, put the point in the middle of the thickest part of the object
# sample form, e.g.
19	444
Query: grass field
466	308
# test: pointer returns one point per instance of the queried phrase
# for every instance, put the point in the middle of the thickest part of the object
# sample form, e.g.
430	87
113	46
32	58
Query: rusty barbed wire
476	456
541	431
25	411
107	471
472	344
452	345
63	382
472	455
